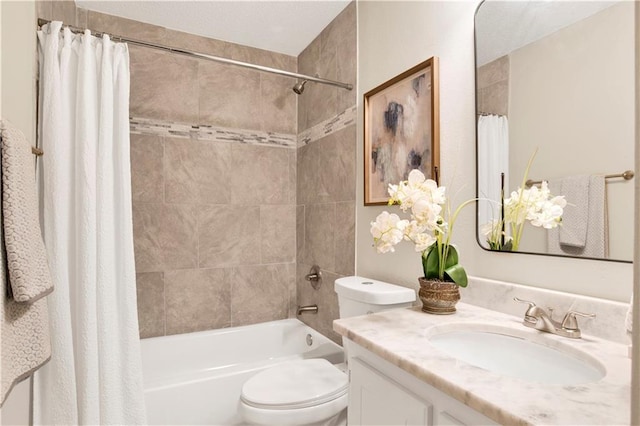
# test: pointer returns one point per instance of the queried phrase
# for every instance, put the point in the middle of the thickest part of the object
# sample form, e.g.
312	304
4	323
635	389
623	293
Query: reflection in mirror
556	78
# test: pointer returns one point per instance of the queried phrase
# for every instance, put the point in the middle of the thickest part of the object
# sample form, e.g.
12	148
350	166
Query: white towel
573	231
24	331
26	256
597	239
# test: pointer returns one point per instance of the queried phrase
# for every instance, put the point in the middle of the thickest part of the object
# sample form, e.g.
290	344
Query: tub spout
308	308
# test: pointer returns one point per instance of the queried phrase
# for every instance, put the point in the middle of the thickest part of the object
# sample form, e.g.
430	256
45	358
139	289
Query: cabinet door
375	399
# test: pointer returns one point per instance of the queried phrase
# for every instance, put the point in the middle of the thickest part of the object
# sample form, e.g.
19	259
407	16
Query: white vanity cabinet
382	394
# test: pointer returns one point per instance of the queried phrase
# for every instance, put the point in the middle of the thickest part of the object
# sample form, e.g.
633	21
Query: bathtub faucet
308	308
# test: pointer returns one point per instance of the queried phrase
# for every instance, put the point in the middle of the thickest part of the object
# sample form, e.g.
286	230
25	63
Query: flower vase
438	297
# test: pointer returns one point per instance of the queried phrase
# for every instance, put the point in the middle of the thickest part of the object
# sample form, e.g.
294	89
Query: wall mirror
556	78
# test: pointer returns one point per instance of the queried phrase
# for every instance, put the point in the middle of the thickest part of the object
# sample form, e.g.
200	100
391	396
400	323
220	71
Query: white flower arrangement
535	205
427	227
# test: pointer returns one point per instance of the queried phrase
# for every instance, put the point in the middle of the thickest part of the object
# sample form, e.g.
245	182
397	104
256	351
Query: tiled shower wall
215	176
493	87
327	170
214	217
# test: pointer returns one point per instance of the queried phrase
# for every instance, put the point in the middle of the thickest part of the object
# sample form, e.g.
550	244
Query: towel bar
626	175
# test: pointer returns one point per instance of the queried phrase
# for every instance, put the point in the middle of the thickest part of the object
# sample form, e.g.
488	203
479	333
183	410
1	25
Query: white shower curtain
493	158
94	376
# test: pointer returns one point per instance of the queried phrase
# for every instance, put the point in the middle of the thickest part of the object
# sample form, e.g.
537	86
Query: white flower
550	213
387	231
535	205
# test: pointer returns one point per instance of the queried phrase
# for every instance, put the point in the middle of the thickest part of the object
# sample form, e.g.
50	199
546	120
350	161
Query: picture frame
401	130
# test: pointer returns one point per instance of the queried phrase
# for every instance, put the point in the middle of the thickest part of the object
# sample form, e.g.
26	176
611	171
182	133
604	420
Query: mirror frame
475	118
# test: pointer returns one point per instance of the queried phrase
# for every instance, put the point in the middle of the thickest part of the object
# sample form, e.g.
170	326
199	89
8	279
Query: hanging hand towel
24	330
573	231
597	238
26	256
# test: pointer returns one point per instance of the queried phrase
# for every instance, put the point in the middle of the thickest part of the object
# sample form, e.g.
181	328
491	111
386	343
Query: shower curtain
94	376
493	158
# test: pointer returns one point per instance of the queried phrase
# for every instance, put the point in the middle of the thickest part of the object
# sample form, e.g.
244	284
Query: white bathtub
196	378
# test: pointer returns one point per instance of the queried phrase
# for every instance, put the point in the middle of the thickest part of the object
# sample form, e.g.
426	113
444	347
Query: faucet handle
528	315
571	323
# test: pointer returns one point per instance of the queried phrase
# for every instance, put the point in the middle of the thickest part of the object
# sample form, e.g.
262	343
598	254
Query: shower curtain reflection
493	159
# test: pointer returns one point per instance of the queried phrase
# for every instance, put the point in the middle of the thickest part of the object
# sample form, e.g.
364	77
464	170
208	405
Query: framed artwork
401	130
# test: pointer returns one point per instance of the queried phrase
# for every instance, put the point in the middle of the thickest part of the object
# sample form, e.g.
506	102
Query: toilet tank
360	296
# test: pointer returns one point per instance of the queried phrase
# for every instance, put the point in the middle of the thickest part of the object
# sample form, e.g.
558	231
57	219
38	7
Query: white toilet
313	392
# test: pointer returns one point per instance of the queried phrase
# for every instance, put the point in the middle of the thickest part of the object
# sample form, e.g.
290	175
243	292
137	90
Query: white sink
509	353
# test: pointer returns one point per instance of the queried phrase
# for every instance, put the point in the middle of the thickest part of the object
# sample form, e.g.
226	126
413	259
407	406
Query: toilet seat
295	393
297	384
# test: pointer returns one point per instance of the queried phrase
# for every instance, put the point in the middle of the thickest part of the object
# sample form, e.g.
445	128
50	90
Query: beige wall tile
323	98
265	58
277	104
319	248
123	27
163	85
300	232
307	64
326	168
229	235
495	98
326	299
197	299
164	236
44	9
278	233
493	72
194	43
147	178
81	17
345	234
197	171
261	175
65	11
151	314
338	30
346	63
259	293
293	175
229	96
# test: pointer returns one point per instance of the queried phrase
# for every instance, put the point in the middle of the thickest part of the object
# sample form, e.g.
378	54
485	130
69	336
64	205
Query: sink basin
507	354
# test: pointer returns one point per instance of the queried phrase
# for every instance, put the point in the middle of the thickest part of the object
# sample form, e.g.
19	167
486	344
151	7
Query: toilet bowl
302	392
313	392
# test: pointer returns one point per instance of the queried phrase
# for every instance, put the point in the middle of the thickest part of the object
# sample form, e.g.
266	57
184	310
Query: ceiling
504	26
279	26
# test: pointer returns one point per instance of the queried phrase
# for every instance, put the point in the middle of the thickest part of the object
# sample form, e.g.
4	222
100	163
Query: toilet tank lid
371	291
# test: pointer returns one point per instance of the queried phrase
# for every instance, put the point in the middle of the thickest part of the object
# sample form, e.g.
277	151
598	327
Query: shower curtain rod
77	30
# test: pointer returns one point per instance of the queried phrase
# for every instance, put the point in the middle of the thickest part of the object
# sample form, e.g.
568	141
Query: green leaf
457	274
452	258
430	263
508	246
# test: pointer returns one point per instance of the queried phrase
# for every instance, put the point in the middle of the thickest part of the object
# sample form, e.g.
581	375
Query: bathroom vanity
408	367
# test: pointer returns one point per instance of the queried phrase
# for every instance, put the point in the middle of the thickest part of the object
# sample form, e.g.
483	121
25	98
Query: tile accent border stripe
213	133
345	119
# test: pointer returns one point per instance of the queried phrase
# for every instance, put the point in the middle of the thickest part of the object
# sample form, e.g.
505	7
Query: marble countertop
401	337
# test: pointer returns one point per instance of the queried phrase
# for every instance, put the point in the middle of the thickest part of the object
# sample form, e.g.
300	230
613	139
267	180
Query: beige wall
445	29
570	97
17	104
326	172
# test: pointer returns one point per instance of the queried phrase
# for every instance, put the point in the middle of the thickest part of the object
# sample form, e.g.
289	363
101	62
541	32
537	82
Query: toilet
313	392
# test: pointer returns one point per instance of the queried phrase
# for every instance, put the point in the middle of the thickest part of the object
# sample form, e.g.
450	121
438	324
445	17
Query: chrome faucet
538	318
309	308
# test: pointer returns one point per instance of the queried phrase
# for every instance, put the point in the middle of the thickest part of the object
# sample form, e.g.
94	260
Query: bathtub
196	378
